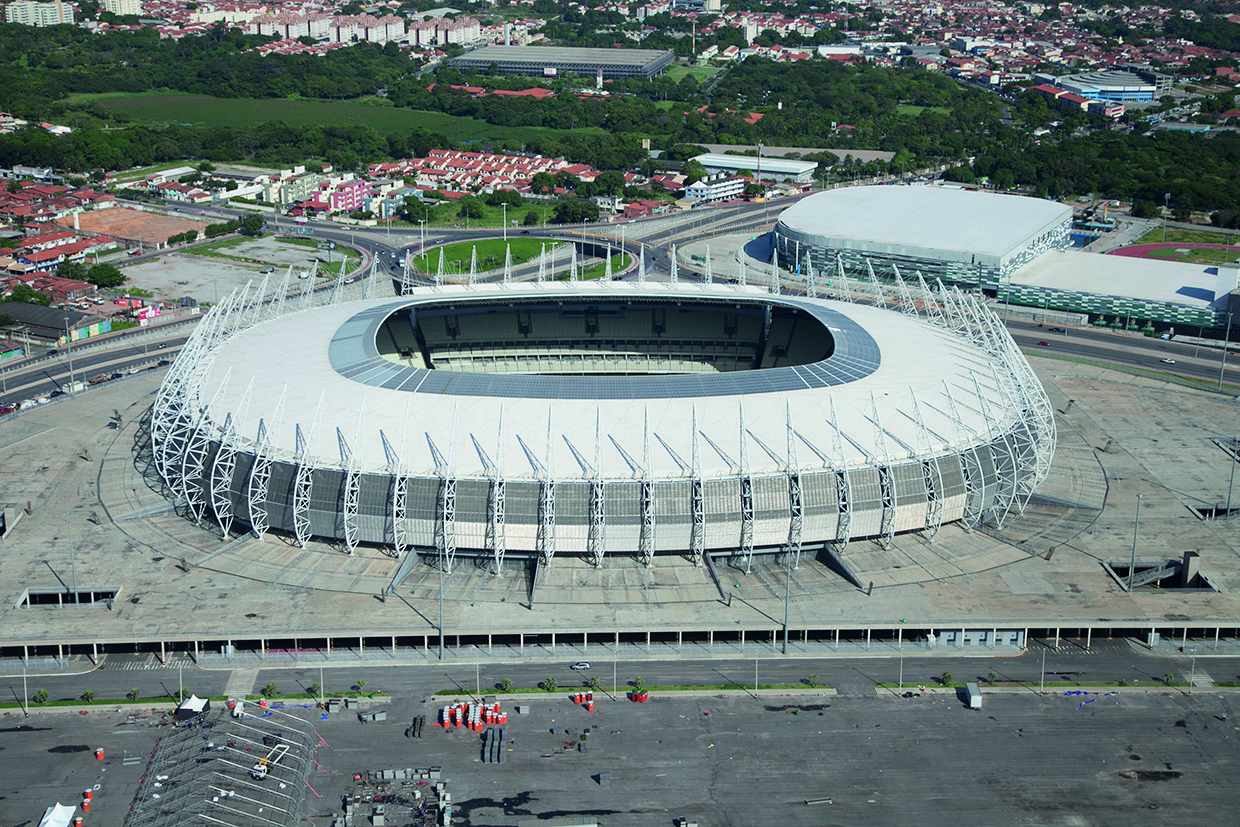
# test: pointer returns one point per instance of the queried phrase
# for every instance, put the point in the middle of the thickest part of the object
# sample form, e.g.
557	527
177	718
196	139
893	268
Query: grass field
203	110
913	110
618	263
445	215
490	253
701	73
1181	236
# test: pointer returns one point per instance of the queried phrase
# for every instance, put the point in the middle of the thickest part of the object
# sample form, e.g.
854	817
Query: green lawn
700	73
1195	255
912	110
204	110
445	215
618	263
490	253
1176	235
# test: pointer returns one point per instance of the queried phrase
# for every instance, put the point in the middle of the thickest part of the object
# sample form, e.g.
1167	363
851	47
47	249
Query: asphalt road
1106	661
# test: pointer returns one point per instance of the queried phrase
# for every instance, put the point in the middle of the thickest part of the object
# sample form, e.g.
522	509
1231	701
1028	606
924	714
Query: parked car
580	666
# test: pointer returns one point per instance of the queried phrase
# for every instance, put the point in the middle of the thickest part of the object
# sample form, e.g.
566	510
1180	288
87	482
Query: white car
580	666
1168	361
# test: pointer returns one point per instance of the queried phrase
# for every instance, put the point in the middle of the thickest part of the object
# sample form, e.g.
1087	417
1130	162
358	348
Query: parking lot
1124	759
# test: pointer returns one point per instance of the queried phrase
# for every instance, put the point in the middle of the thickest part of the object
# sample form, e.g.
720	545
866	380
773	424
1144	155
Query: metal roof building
953	234
781	169
602	418
552	60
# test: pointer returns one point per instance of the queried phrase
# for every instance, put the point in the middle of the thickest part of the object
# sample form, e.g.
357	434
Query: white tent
58	815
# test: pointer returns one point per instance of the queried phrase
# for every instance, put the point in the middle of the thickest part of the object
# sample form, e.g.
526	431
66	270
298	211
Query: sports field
204	110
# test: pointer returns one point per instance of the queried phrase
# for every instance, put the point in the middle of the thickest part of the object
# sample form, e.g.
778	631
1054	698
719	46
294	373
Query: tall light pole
787	592
505	206
1192	673
1043	690
1136	526
441	605
1166	206
72	558
1226	342
422	230
25	692
69	346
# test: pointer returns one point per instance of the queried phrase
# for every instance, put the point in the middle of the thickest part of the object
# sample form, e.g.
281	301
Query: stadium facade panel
951	234
602	418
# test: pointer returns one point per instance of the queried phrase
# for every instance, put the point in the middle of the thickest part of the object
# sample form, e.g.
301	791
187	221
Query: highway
1112	660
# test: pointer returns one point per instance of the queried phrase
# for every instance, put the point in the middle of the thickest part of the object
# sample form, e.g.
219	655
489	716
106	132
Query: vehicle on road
1058	330
133	370
1167	361
580	666
1044	344
161	345
134	252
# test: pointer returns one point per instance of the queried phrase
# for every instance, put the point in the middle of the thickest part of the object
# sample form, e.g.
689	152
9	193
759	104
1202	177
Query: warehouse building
551	61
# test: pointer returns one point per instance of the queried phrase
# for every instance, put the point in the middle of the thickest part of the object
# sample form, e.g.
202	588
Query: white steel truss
843	485
350	463
546	502
445	528
400	489
796	511
746	544
931	474
886	481
596	540
675	276
226	463
645	543
303	481
260	471
697	502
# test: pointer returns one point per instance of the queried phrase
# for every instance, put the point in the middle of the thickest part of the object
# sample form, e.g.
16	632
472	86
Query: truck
99	378
973	694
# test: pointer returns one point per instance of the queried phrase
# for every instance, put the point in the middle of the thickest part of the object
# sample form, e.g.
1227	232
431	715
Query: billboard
550	71
327	245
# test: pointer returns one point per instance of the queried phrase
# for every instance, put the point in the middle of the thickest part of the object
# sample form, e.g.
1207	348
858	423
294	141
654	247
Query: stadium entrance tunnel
616	338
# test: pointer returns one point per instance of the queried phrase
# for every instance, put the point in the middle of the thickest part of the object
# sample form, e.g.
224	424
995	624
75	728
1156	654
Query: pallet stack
494	749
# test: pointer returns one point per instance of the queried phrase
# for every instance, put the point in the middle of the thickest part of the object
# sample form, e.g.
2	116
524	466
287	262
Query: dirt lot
208	278
133	225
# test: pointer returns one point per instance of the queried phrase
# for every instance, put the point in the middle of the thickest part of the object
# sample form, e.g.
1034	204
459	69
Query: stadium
601	418
955	235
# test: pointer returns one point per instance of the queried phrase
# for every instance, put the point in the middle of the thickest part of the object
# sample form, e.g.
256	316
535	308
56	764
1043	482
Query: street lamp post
1192	673
69	347
505	206
1043	690
1226	341
1232	483
1136	526
72	557
1166	206
787	593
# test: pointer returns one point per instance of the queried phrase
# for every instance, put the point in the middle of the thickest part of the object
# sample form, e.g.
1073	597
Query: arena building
952	234
602	418
551	61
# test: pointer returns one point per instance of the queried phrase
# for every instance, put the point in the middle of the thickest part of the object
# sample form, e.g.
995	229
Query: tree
594	682
549	684
506	684
638	683
1167	678
71	270
25	293
40	696
105	275
415	211
470	207
946	678
1144	209
991	677
253	224
184	693
575	211
531	219
269	690
609	182
1077	674
693	172
542	182
361	685
314	689
88	695
812	680
133	694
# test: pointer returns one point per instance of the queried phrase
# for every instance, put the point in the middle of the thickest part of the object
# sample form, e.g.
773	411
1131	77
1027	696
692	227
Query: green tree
415	210
88	695
638	683
991	677
269	690
1077	674
184	693
71	270
1144	209
575	211
609	182
25	293
542	182
313	689
361	685
253	224
531	219
506	684
693	172
1167	678
470	207
549	684
946	678
106	275
40	696
594	682
812	680
132	694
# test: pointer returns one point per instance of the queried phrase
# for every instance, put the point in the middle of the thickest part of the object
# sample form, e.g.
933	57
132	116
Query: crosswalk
151	663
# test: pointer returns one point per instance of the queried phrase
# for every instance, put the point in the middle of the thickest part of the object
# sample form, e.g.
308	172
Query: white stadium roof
287	360
1156	280
925	218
